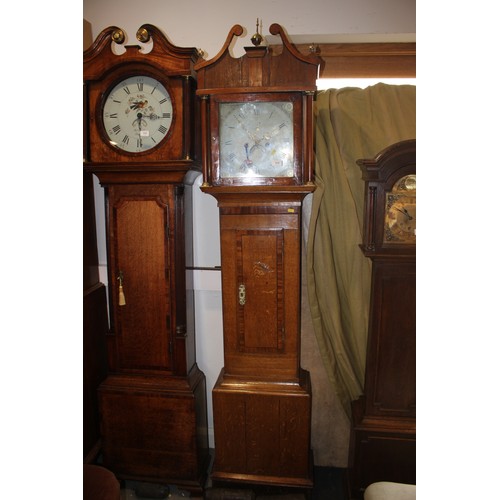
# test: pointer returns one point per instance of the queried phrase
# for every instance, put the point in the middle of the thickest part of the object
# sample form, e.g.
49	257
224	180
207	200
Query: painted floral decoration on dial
137	114
256	139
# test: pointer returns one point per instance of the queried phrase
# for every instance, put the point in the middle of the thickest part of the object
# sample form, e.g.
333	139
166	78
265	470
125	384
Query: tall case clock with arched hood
256	125
383	432
140	141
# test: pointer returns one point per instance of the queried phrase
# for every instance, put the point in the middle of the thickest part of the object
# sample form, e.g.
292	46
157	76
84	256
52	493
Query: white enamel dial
256	139
137	114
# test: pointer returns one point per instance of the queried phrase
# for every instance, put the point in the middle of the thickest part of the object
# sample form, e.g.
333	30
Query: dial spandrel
401	212
137	114
256	139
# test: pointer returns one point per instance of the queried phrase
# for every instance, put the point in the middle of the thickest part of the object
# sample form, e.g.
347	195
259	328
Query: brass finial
118	36
313	48
143	35
257	38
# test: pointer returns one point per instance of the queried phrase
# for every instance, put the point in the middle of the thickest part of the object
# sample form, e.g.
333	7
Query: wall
205	25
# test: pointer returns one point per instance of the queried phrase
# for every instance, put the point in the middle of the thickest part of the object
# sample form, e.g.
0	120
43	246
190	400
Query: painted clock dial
256	139
400	212
137	114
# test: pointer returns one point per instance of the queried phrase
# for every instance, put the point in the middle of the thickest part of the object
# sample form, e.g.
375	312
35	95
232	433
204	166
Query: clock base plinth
154	428
262	431
382	448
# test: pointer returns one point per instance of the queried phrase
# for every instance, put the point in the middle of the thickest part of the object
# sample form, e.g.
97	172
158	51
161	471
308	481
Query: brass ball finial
118	36
143	35
257	38
313	49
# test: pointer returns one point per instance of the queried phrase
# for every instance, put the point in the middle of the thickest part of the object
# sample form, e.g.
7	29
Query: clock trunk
262	399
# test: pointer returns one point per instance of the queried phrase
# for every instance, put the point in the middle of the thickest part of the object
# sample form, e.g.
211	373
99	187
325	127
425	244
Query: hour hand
405	212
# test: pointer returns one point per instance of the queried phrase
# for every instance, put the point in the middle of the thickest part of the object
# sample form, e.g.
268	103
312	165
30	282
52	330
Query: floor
328	485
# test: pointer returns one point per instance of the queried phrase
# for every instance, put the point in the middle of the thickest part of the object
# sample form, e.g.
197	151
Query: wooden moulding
365	60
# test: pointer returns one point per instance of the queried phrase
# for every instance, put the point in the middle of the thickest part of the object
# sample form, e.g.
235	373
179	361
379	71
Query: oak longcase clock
139	111
384	428
256	126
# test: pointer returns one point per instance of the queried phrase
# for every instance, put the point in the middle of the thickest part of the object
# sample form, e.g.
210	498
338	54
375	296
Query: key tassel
121	296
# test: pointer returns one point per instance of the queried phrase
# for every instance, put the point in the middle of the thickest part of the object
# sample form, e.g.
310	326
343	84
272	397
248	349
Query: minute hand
405	212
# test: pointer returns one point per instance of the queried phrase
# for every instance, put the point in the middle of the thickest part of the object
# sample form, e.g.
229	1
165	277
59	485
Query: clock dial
401	212
137	114
256	139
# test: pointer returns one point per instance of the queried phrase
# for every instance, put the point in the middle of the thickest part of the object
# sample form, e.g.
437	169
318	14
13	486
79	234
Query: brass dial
400	225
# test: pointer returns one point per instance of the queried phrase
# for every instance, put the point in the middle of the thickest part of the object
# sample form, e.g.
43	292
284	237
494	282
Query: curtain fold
351	123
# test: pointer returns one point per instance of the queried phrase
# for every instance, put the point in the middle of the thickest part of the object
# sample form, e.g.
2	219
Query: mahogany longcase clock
384	428
139	110
256	122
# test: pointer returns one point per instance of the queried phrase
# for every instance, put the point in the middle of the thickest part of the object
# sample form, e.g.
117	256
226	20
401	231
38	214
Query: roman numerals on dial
137	114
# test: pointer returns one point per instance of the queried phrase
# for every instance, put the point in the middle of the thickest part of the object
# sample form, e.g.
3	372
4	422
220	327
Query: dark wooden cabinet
140	143
256	126
383	436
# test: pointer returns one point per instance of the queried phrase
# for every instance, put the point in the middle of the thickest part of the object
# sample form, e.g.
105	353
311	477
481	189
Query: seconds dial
137	114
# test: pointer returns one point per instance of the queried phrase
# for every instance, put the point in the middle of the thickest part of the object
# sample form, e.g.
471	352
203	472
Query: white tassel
121	296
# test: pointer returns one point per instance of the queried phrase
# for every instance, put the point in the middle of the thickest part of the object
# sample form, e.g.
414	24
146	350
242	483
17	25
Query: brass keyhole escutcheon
242	294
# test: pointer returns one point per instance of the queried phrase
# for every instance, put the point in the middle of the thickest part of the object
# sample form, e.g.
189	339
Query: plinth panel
381	455
262	431
155	430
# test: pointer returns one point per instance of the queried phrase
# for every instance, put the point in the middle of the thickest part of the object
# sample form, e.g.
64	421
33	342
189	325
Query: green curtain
351	123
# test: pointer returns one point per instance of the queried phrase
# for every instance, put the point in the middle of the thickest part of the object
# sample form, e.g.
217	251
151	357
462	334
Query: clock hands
256	156
152	116
257	148
242	124
405	212
256	139
248	160
143	105
140	121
